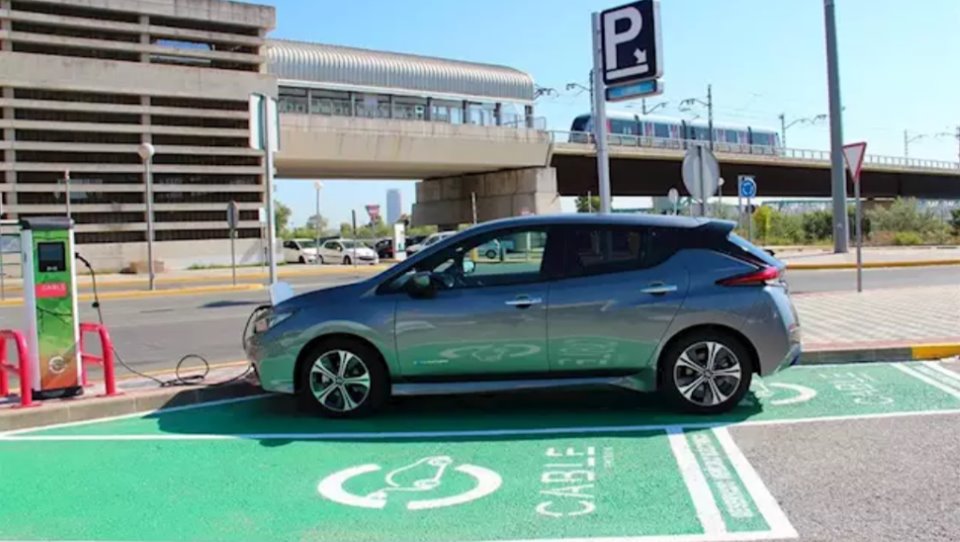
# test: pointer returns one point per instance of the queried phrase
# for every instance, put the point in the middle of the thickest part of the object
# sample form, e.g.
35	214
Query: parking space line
926	379
18	435
703	501
941	369
766	503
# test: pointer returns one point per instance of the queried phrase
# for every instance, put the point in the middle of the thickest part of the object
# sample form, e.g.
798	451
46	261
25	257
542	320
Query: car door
615	297
487	316
290	253
331	252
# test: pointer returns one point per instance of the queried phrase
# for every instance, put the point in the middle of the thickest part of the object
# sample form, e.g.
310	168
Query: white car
347	252
433	239
300	251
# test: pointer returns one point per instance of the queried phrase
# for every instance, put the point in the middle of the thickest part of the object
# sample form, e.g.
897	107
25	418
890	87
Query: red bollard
105	360
22	369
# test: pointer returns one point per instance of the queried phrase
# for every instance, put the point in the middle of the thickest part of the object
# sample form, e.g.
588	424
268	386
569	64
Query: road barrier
105	359
22	369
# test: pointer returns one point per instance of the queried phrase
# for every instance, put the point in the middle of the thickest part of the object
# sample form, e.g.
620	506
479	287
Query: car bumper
272	362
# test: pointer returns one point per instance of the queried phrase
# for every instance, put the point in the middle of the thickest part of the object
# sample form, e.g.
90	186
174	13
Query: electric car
676	305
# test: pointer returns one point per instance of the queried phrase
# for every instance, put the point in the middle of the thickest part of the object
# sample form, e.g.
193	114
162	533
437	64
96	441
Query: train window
661	130
733	136
761	139
581	124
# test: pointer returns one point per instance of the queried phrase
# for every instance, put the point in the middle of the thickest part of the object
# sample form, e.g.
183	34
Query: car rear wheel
346	260
706	372
491	254
343	379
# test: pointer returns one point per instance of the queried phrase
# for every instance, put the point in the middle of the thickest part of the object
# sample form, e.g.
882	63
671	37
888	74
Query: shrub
817	225
955	221
907	238
904	215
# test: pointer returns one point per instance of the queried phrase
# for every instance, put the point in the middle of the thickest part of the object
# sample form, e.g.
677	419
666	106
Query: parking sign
631	42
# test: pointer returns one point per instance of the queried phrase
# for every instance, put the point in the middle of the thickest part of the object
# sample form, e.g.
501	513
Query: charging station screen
51	257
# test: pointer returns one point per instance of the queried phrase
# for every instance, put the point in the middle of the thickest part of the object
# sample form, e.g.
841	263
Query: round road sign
701	172
748	187
673	195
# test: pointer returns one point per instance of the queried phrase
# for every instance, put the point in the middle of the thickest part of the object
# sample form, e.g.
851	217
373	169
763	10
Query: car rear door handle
660	288
523	302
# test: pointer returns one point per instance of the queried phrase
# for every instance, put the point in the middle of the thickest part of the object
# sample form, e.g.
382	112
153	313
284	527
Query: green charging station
50	302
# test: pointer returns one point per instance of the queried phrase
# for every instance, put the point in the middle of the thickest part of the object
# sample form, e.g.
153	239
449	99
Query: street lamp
146	152
907	139
805	120
316	219
686	105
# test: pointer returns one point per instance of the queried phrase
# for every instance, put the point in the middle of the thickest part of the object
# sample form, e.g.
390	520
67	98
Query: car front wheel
706	373
343	379
346	260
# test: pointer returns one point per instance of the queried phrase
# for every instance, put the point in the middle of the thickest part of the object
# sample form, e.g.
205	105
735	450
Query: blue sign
634	90
748	187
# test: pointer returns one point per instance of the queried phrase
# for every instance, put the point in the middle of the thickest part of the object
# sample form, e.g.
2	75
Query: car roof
631	219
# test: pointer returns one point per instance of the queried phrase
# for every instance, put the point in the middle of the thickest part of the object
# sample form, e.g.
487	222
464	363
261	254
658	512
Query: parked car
431	240
347	252
300	251
677	305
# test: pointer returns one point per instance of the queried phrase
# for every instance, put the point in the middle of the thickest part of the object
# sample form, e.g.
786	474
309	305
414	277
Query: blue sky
763	57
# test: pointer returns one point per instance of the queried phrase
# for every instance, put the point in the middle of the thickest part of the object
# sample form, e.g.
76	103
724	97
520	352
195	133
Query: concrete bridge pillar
447	201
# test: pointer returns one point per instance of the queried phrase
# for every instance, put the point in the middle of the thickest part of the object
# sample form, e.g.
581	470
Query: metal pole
740	201
353	221
3	286
271	218
316	228
473	203
859	219
233	254
906	145
150	271
600	119
590	201
66	190
710	113
841	237
749	220
703	182
783	130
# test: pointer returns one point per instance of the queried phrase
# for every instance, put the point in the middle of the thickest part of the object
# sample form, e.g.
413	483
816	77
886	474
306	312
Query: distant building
394	205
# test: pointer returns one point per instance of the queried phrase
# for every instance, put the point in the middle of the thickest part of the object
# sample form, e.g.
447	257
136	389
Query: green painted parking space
797	393
546	466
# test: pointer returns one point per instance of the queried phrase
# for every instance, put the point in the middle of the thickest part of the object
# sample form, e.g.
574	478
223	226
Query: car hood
333	294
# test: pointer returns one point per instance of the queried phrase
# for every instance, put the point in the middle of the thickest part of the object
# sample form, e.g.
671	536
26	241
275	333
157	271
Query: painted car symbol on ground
424	475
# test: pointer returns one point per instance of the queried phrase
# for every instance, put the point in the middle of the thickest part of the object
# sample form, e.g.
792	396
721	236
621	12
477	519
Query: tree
583	206
312	223
955	221
281	215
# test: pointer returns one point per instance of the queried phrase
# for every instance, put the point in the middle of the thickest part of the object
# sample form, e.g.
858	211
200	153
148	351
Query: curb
66	411
138	294
917	352
869	265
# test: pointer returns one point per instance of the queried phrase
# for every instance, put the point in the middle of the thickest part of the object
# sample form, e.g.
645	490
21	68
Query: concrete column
393	112
5	24
466	112
501	194
498	114
429	113
528	113
145	38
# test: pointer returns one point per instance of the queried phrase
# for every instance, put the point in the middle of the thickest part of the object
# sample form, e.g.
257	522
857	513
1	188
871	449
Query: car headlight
270	320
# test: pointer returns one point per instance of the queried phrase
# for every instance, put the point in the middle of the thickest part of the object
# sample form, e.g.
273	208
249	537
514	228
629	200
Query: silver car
680	306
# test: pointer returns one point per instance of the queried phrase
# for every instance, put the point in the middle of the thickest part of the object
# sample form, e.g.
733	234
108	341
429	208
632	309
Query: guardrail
628	140
22	369
105	359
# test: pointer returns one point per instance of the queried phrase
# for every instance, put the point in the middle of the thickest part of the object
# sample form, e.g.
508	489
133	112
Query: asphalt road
153	333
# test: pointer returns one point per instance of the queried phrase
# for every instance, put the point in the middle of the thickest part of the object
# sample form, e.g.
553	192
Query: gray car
681	306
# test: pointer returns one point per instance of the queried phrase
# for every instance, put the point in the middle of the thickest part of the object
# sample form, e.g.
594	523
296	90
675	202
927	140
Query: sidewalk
911	320
823	258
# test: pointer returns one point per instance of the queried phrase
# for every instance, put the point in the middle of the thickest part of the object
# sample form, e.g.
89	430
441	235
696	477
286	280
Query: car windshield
307	243
352	244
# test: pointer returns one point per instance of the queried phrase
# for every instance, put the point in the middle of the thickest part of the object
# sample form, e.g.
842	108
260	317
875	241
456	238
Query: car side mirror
422	285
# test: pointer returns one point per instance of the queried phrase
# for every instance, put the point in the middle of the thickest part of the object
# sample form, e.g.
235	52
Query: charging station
50	302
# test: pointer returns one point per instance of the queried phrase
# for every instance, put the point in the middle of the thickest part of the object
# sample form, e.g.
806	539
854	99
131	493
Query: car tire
690	382
320	260
346	260
491	254
302	260
326	392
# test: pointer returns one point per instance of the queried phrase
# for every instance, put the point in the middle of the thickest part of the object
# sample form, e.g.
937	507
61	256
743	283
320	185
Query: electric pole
710	113
838	181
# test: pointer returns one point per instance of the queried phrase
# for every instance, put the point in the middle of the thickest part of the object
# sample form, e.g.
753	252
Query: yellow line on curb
171	371
934	351
869	265
138	294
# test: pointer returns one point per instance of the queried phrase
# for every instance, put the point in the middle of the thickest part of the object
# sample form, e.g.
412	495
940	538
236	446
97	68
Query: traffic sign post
853	155
701	174
746	190
627	57
233	220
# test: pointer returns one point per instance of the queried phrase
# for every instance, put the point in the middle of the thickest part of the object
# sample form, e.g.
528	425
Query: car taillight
755	278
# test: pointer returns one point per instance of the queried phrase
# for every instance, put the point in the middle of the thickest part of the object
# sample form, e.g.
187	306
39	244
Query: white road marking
18	436
725	537
923	378
703	500
143	414
767	505
947	372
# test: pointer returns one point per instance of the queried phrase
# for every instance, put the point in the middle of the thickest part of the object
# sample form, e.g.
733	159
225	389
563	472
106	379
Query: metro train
651	130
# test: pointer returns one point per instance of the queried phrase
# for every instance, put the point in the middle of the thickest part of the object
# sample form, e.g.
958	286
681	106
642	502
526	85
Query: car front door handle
523	302
660	289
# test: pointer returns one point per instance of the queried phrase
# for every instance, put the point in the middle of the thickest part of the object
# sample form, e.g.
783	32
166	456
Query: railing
627	140
430	129
105	359
22	369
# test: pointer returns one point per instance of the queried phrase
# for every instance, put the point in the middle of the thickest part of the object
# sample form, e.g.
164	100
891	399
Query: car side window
600	249
288	244
330	245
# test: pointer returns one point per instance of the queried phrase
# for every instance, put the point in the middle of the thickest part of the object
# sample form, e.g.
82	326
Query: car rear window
754	251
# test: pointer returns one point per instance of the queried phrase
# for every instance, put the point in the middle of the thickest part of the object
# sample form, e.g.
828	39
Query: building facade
85	83
394	205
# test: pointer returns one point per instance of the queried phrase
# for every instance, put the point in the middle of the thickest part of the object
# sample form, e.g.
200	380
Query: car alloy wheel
340	381
707	374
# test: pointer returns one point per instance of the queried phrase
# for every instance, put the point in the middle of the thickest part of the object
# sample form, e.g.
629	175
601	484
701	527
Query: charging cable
177	379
